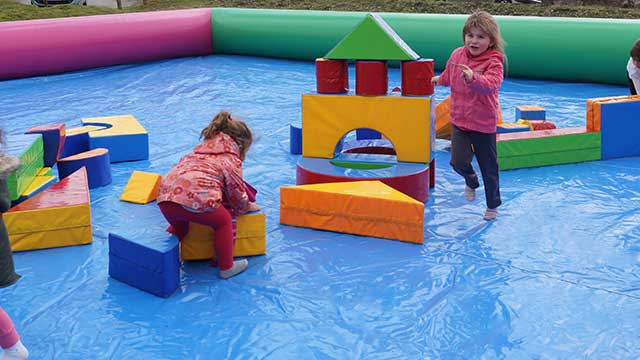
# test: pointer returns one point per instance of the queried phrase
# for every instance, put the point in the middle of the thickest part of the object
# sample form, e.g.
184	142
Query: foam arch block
141	188
368	208
124	136
77	140
405	121
57	216
250	238
96	162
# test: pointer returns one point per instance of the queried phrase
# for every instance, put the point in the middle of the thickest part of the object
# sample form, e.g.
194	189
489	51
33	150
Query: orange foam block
57	216
594	107
141	188
369	208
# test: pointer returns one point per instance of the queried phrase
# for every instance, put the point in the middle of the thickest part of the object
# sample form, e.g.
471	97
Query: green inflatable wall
564	49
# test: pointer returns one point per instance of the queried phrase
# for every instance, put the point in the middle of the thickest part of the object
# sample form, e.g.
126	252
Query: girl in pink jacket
206	187
475	72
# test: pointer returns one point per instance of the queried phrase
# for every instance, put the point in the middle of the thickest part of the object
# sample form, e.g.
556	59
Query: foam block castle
405	120
331	180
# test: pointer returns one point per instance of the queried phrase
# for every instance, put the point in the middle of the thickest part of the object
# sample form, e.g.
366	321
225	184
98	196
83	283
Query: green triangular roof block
372	39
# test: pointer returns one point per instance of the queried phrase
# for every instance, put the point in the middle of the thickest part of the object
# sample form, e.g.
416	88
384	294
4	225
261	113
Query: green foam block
29	148
550	150
372	39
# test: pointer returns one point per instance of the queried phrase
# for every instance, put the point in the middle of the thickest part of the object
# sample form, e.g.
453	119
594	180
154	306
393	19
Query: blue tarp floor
555	277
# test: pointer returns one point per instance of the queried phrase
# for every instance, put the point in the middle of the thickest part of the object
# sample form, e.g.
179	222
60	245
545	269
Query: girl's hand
253	207
434	80
467	73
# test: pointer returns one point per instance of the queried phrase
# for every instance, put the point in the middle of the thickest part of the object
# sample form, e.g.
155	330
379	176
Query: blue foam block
356	144
364	134
131	147
295	138
620	127
147	259
98	169
52	136
75	144
511	128
530	114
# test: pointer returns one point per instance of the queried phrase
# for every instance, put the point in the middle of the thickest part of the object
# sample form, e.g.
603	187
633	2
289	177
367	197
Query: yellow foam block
369	208
37	182
45	171
250	239
50	227
83	129
141	188
405	121
116	125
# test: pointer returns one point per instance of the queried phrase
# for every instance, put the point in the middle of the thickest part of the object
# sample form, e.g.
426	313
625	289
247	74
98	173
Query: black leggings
466	144
631	87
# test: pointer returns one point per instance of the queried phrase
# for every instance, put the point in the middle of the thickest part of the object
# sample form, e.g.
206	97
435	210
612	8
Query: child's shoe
469	193
238	267
16	352
490	214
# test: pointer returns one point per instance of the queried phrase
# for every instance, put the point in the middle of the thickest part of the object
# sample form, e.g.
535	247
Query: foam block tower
406	121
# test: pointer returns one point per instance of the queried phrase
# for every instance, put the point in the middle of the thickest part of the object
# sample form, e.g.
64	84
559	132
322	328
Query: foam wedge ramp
369	208
141	188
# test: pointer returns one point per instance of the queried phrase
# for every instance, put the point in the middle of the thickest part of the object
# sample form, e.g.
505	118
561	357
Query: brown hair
236	129
635	51
485	22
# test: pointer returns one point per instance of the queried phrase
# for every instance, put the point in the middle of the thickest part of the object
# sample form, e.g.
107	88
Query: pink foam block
540	133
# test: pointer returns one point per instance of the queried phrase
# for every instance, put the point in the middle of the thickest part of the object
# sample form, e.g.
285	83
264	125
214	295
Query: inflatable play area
365	246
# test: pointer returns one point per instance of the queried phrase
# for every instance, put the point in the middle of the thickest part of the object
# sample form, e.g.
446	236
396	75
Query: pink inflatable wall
39	47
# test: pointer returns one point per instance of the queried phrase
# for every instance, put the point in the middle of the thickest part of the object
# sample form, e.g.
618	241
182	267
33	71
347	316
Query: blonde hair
485	22
236	129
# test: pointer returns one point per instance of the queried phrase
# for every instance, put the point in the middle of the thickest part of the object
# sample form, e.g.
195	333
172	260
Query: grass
10	10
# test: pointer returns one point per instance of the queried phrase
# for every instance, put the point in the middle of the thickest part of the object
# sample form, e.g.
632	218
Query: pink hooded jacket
474	104
208	176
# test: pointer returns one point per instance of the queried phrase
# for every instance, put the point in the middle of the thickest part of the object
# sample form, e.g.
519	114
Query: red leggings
8	334
219	220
